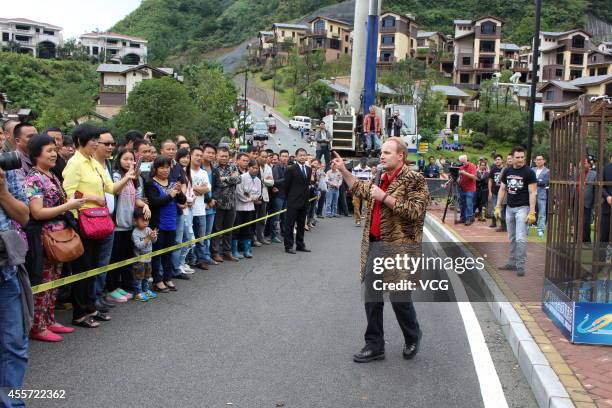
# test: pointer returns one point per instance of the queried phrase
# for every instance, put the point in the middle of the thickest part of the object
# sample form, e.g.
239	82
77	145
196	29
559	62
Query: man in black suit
295	187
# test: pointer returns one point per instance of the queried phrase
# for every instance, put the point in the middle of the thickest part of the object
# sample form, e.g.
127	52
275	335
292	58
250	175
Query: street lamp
246	100
534	79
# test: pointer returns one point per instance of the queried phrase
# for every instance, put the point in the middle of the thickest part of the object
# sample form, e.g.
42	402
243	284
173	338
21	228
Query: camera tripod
451	199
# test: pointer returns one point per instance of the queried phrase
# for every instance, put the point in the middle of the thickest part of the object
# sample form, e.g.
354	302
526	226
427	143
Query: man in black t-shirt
519	183
494	181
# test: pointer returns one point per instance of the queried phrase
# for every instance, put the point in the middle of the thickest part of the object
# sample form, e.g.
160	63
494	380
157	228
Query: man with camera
467	184
15	292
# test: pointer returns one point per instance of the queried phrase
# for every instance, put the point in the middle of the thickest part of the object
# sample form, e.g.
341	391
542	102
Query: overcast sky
74	16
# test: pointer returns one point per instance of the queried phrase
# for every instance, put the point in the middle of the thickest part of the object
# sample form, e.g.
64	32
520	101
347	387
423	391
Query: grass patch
283	98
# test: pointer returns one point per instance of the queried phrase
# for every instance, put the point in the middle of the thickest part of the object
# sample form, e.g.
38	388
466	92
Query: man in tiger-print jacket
394	225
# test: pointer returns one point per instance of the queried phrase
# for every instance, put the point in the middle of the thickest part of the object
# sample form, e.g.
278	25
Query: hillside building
477	49
113	47
330	35
30	37
397	38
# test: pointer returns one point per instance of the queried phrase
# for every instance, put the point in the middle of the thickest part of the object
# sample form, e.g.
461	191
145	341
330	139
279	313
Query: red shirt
468	184
377	209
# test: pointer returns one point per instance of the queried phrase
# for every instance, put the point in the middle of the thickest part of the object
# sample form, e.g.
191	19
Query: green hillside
193	27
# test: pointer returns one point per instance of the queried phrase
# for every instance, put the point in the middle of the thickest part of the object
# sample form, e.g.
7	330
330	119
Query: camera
10	161
453	169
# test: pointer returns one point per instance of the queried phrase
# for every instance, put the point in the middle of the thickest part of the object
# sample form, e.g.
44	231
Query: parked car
300	122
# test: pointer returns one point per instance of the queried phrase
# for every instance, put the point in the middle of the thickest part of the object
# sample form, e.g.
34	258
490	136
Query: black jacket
295	186
606	190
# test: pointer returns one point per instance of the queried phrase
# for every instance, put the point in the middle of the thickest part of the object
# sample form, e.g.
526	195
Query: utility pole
534	79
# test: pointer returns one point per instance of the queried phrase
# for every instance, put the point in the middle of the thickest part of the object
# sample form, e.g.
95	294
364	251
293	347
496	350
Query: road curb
544	382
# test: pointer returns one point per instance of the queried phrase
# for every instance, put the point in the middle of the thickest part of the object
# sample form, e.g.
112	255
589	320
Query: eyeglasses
112	144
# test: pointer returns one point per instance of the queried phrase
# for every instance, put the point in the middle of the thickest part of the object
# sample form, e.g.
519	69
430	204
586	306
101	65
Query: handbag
62	246
96	223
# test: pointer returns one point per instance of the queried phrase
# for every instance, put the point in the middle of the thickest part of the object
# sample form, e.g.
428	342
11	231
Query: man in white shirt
361	172
201	187
267	180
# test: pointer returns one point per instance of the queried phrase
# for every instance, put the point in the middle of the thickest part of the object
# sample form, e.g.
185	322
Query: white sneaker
186	269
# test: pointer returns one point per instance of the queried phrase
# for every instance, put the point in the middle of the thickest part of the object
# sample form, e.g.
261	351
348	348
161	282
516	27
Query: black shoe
469	222
104	303
102	309
290	251
366	355
183	277
507	267
410	350
303	250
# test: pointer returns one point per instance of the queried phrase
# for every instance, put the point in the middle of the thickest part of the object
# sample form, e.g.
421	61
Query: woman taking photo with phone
163	198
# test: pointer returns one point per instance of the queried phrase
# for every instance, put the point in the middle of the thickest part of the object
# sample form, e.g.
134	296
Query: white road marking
490	386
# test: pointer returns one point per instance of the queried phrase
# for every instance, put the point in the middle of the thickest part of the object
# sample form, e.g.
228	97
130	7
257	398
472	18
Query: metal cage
576	263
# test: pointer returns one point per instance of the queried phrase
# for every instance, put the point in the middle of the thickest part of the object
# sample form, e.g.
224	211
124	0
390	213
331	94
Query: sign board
580	322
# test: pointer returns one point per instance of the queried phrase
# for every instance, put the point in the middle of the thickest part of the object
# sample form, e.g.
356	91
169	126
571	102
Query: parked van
300	122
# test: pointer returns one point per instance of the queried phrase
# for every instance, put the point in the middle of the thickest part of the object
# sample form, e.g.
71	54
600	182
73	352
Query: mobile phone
138	164
78	195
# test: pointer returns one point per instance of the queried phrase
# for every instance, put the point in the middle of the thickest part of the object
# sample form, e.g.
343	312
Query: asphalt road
283	138
276	330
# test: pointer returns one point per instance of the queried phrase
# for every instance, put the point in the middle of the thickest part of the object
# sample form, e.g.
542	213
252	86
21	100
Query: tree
403	77
430	107
159	105
214	95
313	104
67	106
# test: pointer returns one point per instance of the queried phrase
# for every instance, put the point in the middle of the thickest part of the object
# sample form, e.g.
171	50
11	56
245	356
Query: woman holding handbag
85	178
48	205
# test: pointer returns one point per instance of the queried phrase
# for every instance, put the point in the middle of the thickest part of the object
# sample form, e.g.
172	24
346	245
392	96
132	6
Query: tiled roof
449	90
27	21
590	80
509	46
292	26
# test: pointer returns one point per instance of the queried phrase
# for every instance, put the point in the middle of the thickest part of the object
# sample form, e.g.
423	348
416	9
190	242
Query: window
576	59
464	78
559	59
575	73
48	32
293	34
346	38
95	50
23	27
338	30
109	41
550	95
578	41
38	30
488	28
603	71
5	37
592	72
386	56
388	39
113	52
558	72
124	43
334	44
331	28
388	21
319	25
420	42
283	34
346	50
487	46
134	45
466	61
22	38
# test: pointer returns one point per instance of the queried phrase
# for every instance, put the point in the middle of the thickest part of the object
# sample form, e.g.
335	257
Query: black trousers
123	248
83	301
222	244
374	306
296	217
247	231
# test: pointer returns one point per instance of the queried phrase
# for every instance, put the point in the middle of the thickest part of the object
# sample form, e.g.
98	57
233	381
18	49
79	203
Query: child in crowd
143	238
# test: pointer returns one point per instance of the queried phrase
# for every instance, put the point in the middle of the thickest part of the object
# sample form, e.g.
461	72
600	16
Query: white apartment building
115	47
32	37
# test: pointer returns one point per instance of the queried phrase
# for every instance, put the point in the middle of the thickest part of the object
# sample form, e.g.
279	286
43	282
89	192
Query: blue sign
559	308
592	323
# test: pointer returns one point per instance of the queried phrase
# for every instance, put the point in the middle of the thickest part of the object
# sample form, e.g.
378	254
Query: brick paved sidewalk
585	371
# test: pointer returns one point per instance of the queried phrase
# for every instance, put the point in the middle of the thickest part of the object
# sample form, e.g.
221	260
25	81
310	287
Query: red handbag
96	223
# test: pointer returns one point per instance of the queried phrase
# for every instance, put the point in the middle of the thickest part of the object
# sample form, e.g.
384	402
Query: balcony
487	66
388	60
461	109
388	29
316	33
391	45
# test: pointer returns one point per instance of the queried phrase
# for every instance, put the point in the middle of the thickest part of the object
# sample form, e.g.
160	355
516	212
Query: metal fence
577	253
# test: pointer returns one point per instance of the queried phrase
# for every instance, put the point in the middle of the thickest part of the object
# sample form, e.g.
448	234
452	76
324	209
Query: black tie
303	170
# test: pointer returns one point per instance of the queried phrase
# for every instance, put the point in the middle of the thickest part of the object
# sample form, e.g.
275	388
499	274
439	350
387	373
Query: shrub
479	140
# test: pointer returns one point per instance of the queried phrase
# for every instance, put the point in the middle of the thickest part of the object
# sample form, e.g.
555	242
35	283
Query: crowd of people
79	202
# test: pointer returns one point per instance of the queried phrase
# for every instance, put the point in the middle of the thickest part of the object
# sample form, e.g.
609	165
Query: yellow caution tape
93	272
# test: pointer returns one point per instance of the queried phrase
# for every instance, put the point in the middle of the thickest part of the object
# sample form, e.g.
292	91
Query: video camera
453	170
10	161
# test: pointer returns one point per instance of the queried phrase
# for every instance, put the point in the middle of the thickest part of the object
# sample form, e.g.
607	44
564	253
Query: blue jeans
541	214
13	341
467	205
372	141
188	235
176	255
106	250
279	221
331	202
199	230
517	234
